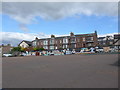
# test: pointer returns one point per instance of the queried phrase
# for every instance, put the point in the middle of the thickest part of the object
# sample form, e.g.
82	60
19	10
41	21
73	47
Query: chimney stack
36	38
52	36
71	34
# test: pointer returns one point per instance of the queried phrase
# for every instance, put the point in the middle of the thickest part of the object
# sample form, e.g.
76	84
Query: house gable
24	44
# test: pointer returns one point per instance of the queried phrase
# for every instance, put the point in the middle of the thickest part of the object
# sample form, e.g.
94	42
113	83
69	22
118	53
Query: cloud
25	12
15	38
23	27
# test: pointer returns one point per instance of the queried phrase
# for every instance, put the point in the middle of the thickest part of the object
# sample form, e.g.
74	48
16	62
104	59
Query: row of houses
73	41
65	42
70	42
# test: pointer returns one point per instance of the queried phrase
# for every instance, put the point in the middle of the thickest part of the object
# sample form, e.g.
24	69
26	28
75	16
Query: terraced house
67	42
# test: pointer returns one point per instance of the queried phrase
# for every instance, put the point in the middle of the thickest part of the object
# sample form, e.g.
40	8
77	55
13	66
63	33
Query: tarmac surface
70	71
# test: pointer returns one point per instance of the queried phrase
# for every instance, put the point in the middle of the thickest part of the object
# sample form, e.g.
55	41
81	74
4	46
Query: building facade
5	49
117	41
67	42
106	41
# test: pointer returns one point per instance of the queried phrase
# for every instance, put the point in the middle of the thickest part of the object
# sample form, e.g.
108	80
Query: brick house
5	49
67	42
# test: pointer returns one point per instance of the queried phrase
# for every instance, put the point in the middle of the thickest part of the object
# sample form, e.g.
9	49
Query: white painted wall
24	45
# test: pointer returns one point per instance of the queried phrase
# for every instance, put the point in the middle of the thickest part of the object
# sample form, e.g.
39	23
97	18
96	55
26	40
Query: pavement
70	71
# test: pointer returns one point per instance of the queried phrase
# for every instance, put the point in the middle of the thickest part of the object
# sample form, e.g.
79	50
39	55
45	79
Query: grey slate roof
77	35
101	37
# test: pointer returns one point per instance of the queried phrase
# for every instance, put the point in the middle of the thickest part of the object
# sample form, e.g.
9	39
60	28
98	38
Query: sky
27	20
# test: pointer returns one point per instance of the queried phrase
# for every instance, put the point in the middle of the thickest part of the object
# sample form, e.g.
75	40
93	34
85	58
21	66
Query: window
23	46
60	41
65	40
45	47
89	38
10	49
45	42
73	40
78	39
34	43
83	38
75	45
89	44
51	47
52	41
65	46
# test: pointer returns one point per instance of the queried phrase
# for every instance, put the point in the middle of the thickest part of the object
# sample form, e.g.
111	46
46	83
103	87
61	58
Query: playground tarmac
70	71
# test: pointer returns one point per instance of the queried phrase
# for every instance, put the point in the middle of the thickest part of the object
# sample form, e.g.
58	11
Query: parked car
7	55
99	50
51	54
68	52
23	54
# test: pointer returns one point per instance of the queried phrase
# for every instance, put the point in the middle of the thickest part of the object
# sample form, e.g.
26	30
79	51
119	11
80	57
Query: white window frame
52	41
45	42
51	47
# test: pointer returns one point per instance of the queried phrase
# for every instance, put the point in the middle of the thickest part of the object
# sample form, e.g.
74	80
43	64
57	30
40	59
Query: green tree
38	49
61	48
41	49
16	51
23	50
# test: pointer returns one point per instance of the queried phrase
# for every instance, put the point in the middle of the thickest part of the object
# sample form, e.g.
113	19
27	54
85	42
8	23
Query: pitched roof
77	35
101	37
28	42
90	34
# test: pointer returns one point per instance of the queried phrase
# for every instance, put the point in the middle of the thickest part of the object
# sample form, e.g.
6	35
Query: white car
99	50
7	55
68	52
